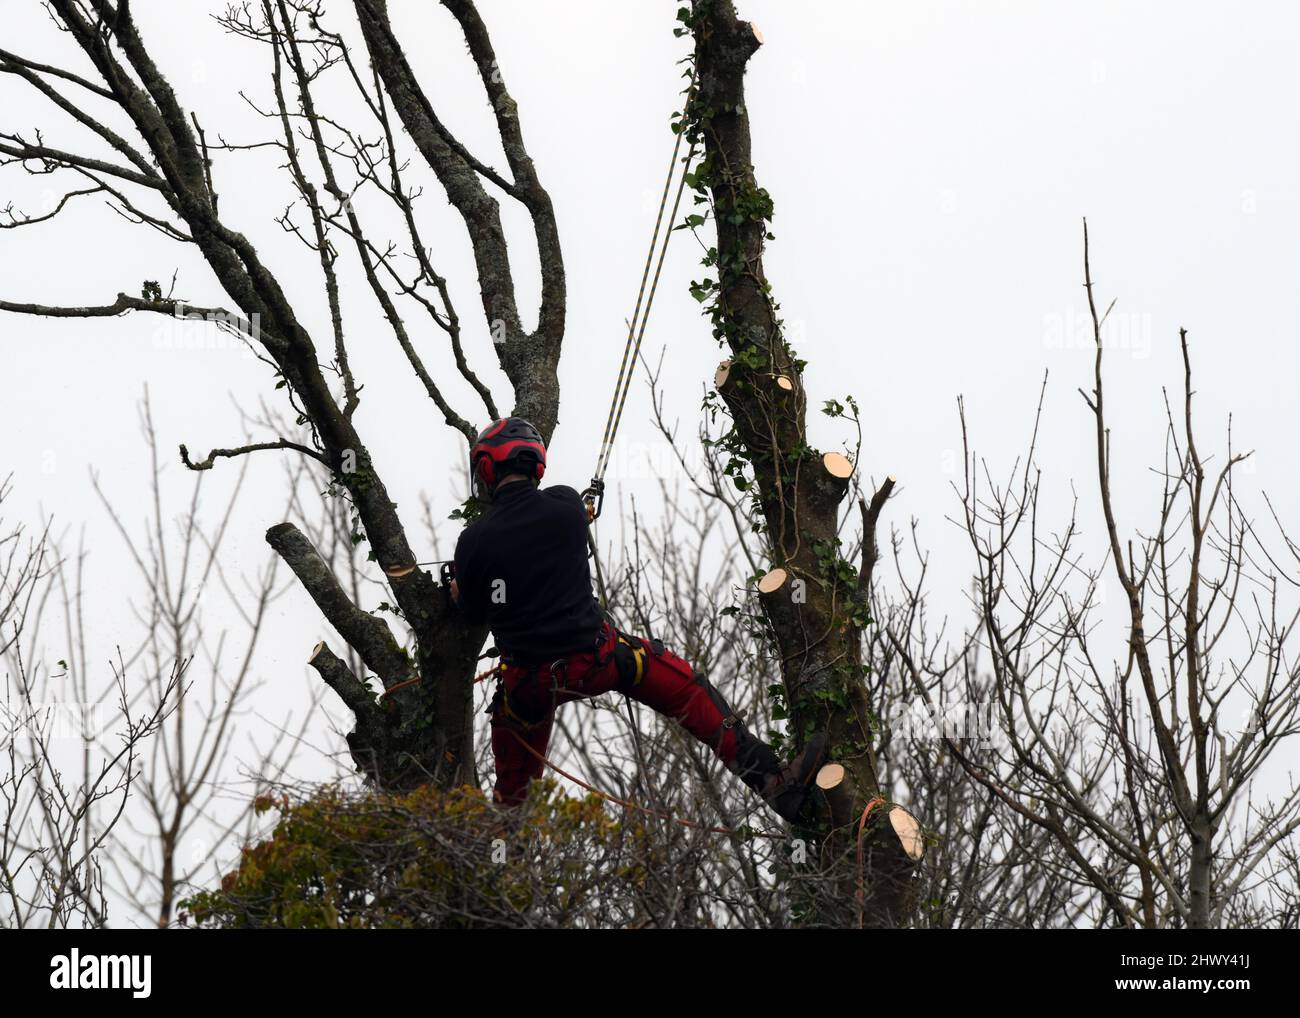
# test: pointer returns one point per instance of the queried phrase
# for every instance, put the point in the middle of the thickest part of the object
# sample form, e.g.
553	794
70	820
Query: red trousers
527	696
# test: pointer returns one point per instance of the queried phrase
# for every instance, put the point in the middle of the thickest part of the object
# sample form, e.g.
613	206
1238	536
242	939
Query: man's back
522	569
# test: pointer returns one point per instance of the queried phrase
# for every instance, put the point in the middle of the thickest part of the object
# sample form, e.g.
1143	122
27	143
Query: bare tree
195	794
72	750
1147	764
164	173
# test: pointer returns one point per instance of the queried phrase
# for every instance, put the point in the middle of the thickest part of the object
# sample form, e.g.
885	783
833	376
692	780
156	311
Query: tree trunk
817	608
1199	876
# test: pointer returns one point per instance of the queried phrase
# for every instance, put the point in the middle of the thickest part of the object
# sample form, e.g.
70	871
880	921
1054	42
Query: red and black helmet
508	446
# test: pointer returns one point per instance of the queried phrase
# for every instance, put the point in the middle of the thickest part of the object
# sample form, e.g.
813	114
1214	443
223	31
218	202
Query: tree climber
521	568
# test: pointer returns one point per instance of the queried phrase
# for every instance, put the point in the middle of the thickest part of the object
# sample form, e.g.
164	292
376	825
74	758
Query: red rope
480	677
862	888
399	685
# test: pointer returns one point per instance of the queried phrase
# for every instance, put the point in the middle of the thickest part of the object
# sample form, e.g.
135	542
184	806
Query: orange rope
399	685
862	890
636	806
480	677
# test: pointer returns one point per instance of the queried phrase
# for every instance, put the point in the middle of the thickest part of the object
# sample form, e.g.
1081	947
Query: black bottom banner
1018	968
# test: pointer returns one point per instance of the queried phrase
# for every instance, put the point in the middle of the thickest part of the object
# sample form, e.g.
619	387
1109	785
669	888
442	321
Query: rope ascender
594	496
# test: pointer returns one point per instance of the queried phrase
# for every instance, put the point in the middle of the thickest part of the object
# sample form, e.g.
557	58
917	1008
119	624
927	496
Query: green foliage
834	408
468	511
390	609
703	290
426	858
833	566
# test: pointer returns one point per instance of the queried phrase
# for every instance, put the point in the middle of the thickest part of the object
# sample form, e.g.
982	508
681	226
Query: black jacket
522	569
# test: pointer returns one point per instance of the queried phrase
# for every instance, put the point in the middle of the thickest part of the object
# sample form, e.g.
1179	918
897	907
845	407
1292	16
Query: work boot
786	791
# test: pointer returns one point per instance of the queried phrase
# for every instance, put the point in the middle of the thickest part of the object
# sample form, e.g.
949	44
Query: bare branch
206	464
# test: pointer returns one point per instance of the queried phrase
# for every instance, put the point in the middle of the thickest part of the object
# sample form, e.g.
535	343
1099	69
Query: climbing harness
594	495
629	658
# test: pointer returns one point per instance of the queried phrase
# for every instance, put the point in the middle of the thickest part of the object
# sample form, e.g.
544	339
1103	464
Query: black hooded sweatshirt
522	569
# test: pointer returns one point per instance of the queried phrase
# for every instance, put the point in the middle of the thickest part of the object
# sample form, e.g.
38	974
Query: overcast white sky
930	164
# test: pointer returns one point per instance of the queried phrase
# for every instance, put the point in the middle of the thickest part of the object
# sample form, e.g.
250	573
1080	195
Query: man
522	569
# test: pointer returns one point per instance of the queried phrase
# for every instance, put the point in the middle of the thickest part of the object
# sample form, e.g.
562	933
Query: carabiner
594	497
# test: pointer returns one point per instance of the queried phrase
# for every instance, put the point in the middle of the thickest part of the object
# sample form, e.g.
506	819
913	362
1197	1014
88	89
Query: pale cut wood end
838	465
830	776
908	829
